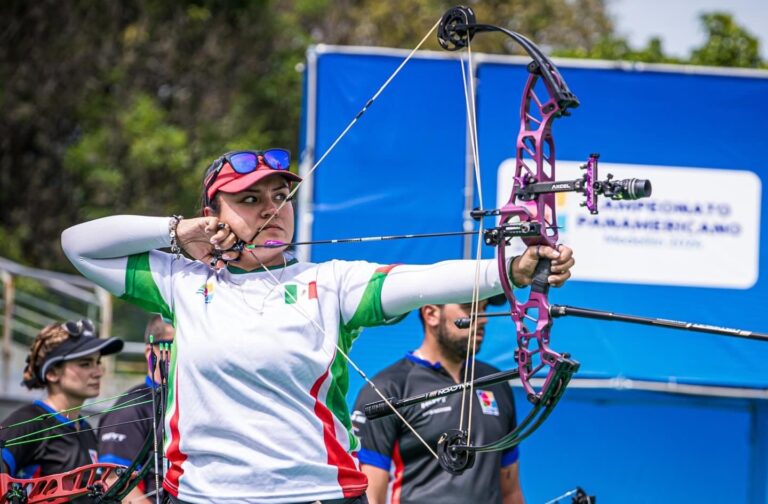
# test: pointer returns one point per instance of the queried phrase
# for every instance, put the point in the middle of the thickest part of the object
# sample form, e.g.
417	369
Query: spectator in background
124	431
65	360
388	446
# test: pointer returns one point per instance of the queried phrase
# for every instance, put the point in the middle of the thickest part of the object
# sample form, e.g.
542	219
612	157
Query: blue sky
676	21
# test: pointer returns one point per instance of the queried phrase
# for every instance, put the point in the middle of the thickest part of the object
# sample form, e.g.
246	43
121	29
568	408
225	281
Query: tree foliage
118	108
727	44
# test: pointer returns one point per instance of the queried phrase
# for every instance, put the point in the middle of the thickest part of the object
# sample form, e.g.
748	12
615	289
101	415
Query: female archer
50	436
257	410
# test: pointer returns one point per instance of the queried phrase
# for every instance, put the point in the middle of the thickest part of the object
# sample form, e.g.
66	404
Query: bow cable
152	369
296	188
45	416
17	440
349	126
468	80
346	356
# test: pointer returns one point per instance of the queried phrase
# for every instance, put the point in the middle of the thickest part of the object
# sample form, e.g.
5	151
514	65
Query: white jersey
257	394
257	381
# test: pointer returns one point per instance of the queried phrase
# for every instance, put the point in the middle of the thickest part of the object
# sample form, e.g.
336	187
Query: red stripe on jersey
351	480
386	269
174	454
312	290
397	478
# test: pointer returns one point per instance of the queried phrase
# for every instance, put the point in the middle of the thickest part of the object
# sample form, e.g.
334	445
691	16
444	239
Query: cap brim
245	181
107	346
75	349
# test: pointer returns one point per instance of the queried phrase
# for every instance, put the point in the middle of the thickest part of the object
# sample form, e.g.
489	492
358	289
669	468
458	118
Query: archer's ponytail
46	340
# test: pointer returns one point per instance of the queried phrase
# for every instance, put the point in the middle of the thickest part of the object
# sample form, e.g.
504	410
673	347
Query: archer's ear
208	211
430	314
53	375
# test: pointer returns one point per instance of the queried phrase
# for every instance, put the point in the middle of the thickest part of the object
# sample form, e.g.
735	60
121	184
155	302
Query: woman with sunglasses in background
49	436
257	410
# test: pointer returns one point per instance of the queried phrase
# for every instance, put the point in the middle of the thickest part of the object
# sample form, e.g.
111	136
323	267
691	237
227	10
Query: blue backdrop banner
652	412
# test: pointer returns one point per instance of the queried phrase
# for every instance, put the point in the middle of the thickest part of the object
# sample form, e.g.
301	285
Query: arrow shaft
364	239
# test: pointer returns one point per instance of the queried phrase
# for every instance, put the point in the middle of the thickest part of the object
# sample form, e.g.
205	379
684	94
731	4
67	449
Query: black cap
82	341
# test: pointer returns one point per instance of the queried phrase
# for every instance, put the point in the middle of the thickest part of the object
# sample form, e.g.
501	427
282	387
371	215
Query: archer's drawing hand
203	237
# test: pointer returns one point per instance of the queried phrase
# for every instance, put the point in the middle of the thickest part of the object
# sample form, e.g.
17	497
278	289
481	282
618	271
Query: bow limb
103	483
130	476
89	480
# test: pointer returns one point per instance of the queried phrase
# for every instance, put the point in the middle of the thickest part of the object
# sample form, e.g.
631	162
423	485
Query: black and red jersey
416	477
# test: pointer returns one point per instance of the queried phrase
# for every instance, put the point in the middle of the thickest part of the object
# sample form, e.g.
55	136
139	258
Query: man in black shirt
123	432
390	448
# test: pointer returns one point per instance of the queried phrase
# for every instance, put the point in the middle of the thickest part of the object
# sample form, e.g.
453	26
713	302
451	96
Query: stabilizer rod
563	310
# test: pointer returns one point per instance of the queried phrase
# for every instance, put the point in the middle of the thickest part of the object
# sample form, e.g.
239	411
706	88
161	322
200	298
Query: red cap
229	181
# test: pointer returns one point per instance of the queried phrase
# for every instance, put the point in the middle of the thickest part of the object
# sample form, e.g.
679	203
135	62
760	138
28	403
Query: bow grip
378	409
540	275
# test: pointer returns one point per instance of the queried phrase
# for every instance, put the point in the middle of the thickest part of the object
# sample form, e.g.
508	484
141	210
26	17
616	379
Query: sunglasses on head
82	327
244	162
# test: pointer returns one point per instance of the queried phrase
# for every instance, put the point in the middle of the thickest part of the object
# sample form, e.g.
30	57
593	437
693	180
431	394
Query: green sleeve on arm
369	312
140	287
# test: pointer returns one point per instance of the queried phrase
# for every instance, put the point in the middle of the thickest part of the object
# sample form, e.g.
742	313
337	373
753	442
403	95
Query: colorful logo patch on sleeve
488	402
207	291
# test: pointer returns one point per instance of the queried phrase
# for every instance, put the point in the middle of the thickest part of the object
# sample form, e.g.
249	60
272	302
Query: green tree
727	44
119	108
618	48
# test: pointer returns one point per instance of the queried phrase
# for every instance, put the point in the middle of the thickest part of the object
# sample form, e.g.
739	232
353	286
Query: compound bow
530	214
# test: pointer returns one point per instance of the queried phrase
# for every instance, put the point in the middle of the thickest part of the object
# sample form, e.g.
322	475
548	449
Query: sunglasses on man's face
244	162
82	327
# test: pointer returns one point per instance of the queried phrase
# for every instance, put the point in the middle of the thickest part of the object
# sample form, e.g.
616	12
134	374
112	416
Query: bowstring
16	441
475	294
348	127
45	416
153	368
468	79
295	304
296	188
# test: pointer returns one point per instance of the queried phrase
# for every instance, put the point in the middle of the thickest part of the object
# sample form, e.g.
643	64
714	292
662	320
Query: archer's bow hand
523	267
204	238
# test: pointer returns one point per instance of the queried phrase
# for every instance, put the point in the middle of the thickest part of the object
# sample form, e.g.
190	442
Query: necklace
270	279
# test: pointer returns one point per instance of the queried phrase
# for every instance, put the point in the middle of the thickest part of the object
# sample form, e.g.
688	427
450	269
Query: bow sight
527	189
589	185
